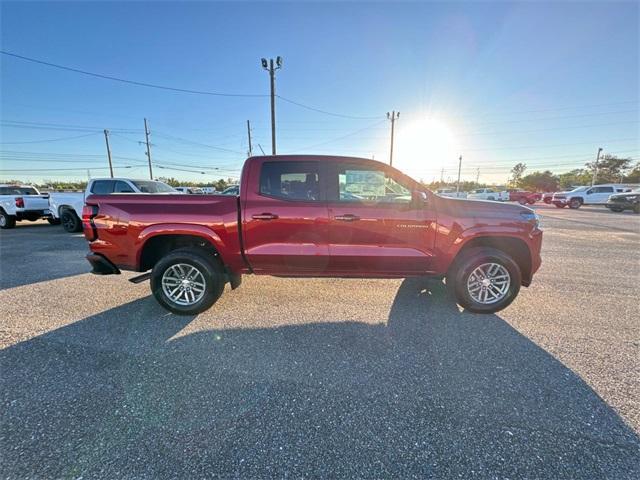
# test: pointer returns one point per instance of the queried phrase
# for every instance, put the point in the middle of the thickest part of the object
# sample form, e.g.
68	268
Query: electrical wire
51	139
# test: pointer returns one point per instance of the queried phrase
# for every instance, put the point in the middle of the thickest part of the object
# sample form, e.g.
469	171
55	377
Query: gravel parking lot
324	377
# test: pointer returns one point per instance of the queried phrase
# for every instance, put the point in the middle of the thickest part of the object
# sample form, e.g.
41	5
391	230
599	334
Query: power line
50	139
333	114
132	82
355	132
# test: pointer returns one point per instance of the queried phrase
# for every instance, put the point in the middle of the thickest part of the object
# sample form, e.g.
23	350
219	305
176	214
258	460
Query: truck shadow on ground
432	393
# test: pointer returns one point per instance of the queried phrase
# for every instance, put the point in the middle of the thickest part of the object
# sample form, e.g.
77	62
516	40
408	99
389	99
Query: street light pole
595	170
459	168
269	67
393	116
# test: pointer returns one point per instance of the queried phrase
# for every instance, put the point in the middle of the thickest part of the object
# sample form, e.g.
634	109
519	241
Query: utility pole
478	176
269	67
106	139
442	175
459	168
393	116
595	170
249	135
146	135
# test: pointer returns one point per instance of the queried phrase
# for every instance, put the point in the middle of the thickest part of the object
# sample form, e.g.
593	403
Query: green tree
540	182
574	178
516	174
634	175
611	169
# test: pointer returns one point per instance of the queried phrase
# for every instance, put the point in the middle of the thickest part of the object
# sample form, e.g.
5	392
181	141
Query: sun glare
423	147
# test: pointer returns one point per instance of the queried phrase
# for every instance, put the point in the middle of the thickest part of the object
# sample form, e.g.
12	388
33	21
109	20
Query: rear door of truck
284	216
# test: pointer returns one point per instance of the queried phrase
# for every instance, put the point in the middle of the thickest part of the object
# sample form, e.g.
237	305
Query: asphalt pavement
327	378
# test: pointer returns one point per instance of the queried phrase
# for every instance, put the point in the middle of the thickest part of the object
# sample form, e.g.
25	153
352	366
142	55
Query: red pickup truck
310	216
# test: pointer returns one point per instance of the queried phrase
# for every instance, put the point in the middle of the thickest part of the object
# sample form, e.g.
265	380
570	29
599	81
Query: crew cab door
284	223
375	226
598	194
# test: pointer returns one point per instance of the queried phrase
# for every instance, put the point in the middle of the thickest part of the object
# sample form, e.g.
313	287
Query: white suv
596	195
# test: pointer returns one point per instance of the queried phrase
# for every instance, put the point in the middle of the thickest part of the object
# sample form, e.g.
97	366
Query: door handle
264	216
347	217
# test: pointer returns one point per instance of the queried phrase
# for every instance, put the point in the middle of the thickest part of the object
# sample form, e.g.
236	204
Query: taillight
19	202
88	227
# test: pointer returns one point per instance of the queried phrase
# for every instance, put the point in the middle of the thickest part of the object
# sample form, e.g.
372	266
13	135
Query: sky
546	84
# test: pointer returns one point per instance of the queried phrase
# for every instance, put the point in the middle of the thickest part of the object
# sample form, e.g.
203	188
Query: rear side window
18	191
123	187
102	187
290	180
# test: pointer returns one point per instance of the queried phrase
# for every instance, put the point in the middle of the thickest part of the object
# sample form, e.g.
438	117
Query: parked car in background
523	197
232	190
595	195
209	190
450	192
488	194
22	202
547	197
309	216
67	207
620	202
189	190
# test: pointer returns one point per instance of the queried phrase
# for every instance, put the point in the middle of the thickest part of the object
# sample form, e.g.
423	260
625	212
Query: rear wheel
187	281
560	205
7	221
70	221
484	280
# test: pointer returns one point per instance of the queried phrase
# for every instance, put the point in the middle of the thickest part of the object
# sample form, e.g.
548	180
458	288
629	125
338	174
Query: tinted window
18	190
102	187
150	186
290	180
123	187
365	184
605	189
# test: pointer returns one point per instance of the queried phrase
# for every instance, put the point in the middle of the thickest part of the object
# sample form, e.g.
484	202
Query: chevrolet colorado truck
314	216
22	202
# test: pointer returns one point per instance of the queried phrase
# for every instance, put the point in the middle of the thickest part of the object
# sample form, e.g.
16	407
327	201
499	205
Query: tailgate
36	202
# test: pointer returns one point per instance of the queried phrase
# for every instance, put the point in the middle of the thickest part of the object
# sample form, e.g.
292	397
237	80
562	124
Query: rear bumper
101	265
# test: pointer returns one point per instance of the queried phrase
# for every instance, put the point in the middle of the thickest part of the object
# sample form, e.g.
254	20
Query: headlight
531	217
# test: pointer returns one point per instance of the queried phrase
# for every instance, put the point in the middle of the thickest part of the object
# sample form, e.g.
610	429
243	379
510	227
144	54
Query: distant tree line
219	184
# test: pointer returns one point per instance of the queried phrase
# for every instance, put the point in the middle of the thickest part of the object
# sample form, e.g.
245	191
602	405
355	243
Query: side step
141	278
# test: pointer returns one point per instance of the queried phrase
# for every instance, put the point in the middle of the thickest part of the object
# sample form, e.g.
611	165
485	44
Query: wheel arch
515	247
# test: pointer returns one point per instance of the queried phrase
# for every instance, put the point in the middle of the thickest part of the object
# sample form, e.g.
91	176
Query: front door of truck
285	219
375	226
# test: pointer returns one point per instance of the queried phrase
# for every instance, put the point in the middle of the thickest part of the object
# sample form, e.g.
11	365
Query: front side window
290	180
123	187
102	187
150	186
362	184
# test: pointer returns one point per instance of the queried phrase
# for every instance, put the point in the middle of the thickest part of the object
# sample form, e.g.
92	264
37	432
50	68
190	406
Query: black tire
205	263
492	198
575	203
531	202
7	221
463	267
53	221
70	221
522	201
547	201
560	205
616	209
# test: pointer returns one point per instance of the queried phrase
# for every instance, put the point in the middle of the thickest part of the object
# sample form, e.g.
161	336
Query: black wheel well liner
516	248
160	245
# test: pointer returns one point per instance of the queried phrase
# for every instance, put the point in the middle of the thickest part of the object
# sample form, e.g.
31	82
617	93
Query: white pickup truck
22	202
488	194
451	193
67	207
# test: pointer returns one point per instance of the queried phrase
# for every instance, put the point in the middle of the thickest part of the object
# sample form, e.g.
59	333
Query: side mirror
418	197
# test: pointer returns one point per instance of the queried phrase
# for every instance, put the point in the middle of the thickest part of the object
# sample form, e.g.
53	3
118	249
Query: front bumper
101	265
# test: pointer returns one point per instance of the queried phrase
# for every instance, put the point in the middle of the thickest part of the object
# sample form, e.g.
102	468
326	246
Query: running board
141	278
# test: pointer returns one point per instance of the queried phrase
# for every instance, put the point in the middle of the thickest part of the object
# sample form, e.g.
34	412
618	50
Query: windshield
16	190
150	186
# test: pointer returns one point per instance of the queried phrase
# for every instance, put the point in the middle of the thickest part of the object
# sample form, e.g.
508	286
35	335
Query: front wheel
547	201
187	281
616	209
484	280
522	201
560	205
575	203
7	221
